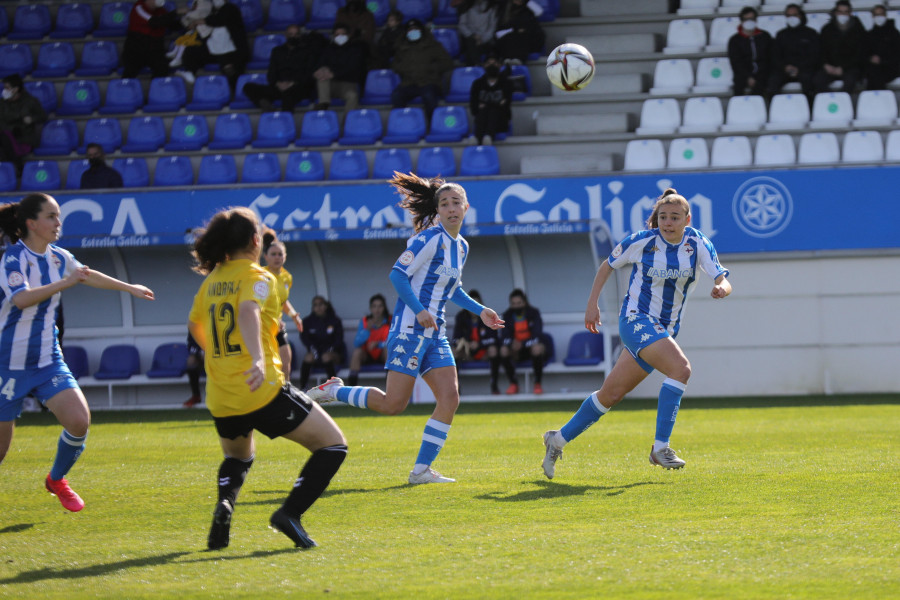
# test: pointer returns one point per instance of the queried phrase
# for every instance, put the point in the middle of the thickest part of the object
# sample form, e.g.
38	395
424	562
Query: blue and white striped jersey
28	337
433	262
663	274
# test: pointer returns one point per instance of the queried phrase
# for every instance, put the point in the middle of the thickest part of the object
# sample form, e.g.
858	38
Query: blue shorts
638	331
43	383
416	354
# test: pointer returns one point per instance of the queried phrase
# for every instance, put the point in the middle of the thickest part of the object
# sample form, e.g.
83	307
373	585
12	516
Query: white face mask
879	21
7	93
843	19
749	25
793	21
160	3
340	40
218	3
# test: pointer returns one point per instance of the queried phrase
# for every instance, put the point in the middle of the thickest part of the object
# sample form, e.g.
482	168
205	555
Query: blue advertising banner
760	211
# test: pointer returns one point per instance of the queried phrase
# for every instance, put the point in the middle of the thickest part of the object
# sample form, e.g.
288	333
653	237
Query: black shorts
193	348
281	338
280	416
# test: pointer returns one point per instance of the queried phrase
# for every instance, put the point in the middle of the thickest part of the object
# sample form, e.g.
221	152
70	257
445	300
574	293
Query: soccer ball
570	67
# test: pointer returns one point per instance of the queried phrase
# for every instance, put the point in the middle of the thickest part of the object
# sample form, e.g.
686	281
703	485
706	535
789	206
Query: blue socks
68	450
590	412
667	409
354	396
433	439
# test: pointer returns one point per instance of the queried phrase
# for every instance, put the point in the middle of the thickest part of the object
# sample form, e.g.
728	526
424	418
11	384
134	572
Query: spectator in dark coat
226	44
473	340
881	50
750	53
519	33
359	20
290	76
99	175
842	49
421	62
489	100
796	53
341	69
521	339
477	25
145	40
394	32
323	335
21	117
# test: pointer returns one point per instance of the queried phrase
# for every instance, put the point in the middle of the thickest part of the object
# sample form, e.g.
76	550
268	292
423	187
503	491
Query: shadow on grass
16	528
209	556
548	489
47	573
280	495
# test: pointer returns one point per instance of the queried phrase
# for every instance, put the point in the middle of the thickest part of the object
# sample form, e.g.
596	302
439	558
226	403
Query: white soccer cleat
325	393
429	475
665	458
554	453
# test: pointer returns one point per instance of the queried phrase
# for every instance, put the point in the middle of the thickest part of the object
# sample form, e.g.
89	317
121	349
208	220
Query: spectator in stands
473	340
323	335
796	54
359	21
489	100
195	35
521	340
276	253
371	338
881	50
477	25
420	61
290	75
519	33
21	117
341	69
226	44
194	368
842	49
394	31
145	40
750	53
99	175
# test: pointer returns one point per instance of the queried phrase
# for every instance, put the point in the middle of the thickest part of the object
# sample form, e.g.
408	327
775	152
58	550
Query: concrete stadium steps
586	123
605	84
626	43
606	8
568	164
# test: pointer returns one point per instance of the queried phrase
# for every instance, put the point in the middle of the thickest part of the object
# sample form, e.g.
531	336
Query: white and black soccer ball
570	67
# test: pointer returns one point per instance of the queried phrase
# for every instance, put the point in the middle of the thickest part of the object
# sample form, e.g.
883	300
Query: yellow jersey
285	281
216	308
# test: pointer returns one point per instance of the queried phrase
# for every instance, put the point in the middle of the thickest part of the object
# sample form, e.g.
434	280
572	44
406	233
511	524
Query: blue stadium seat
120	361
31	22
405	126
379	9
434	161
551	9
319	128
362	126
169	360
262	167
585	349
217	169
388	160
16	58
40	176
55	59
8	179
231	131
415	9
145	134
304	166
74	20
45	92
58	137
134	171
189	133
285	12
79	97
4	22
123	96
479	160
520	73
240	100
448	38
98	58
262	50
76	359
275	130
349	164
448	124
103	131
166	94
322	13
211	92
113	21
461	83
446	14
379	85
173	170
74	172
252	12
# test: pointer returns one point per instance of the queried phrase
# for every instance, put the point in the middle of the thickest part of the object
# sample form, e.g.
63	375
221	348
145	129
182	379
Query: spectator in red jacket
144	43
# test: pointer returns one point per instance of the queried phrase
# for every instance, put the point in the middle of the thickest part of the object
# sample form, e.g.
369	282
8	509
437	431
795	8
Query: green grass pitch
781	498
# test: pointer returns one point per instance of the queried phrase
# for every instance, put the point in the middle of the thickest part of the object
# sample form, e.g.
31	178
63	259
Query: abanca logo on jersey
669	273
448	271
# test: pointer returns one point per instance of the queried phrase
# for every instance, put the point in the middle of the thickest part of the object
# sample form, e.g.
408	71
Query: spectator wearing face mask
145	40
226	44
290	75
341	69
842	49
359	21
421	62
796	53
881	50
21	117
99	175
749	52
489	101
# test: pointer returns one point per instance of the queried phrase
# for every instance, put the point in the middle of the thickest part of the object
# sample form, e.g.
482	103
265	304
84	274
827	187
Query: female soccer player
35	271
234	318
665	259
276	253
426	276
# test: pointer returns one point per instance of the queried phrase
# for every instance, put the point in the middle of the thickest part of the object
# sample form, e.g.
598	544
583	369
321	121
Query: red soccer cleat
512	389
69	499
538	388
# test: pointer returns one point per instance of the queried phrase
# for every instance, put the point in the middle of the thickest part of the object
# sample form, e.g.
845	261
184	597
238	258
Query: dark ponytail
418	197
14	216
227	233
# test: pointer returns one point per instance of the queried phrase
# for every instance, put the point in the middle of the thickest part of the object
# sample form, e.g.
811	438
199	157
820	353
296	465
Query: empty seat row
121	361
697	7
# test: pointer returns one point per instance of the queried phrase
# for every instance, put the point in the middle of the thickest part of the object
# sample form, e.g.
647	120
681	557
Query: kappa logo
422	239
645	337
402	336
638	327
58	380
397	362
399	349
631	318
412	363
11	258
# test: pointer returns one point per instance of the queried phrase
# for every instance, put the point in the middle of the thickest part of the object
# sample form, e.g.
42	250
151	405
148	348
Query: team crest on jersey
399	349
15	279
55	260
406	258
397	362
653	248
645	337
412	363
261	290
689	250
659	328
638	327
617	251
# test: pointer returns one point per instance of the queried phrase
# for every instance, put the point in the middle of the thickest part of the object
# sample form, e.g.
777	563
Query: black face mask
96	162
492	70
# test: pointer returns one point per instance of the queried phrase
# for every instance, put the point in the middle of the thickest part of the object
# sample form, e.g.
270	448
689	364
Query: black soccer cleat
291	527
221	526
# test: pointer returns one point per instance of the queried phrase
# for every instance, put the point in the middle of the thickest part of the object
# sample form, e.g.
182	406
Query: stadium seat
189	133
702	114
304	166
98	58
745	113
8	178
262	50
45	92
550	10
349	164
415	9
733	6
720	31
405	126
285	12
380	10
892	146
58	137
672	76
388	160
4	23
231	132
134	171
436	160
875	108
362	126
40	175
166	94
173	170
479	160
864	17
211	92
771	24
788	111
319	128
685	36
818	148
520	77
697	7
448	124
714	76
688	153
446	13
659	116
831	110
31	22
16	58
120	361
123	96
448	38
275	130
323	12
113	20
262	167
217	169
103	131
169	360
645	155
76	359
776	5
74	20
252	13
461	83
240	100
145	134
79	97
585	349
55	59
731	151
74	172
862	147
379	85
774	150
817	20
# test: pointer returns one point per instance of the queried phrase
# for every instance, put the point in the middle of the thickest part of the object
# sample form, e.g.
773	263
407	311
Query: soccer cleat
429	475
666	458
512	389
538	389
186	75
292	528
68	498
220	530
191	402
552	454
324	393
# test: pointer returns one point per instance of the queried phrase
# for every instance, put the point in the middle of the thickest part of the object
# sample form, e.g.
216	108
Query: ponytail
228	232
418	197
14	216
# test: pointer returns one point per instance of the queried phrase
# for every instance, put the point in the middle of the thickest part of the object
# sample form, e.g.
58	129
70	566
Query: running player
276	253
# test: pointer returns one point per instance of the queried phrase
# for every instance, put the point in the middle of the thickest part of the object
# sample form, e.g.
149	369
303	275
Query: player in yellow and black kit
276	253
235	318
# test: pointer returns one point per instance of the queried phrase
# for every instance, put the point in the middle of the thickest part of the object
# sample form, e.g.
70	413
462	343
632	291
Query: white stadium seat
714	75
645	155
831	110
862	147
772	23
776	5
745	113
698	7
732	7
731	151
685	36
875	108
720	31
688	153
817	20
865	17
702	114
892	146
818	148
672	76
775	150
659	116
788	111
